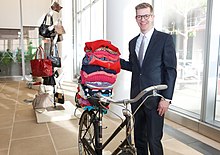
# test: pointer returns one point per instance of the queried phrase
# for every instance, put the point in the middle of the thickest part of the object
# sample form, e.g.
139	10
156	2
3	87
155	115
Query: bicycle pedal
128	151
105	127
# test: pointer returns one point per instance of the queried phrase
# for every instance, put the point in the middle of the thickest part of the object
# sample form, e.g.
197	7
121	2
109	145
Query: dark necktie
141	50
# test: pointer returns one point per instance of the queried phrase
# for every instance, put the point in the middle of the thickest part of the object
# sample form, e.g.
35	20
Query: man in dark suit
156	64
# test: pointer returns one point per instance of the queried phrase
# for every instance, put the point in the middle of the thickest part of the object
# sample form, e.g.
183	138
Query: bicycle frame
98	138
96	120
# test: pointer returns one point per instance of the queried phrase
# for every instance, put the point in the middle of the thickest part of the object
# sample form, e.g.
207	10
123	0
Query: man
156	65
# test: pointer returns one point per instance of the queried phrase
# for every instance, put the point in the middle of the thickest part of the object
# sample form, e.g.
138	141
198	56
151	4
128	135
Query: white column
120	28
22	41
67	43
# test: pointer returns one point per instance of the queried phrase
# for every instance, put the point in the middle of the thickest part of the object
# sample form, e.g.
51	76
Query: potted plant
6	59
28	55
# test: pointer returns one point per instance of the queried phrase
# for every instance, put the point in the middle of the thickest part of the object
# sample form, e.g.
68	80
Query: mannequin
56	6
50	14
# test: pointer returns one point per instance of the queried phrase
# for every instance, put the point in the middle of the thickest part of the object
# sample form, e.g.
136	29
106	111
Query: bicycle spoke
86	132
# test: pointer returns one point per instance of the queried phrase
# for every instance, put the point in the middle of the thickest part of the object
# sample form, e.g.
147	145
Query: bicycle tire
87	131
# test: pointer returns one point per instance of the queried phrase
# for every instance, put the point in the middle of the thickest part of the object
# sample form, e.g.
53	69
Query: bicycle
90	124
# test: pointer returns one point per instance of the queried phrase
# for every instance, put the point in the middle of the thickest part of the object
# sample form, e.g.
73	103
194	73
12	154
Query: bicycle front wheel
87	133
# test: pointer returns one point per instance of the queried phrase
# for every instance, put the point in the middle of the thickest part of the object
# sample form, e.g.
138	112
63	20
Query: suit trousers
148	131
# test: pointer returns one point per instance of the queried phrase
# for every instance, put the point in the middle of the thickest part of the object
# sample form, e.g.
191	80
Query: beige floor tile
25	115
174	147
10	88
24	106
2	94
6	120
33	146
110	126
172	124
5	135
12	96
166	137
64	138
72	151
30	138
3	152
7	107
201	138
26	95
30	128
24	88
115	142
73	123
26	92
21	99
6	99
70	98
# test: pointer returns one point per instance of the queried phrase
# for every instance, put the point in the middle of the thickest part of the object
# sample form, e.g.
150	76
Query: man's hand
163	106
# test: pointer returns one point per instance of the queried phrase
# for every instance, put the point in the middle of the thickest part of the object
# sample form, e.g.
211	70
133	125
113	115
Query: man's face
144	19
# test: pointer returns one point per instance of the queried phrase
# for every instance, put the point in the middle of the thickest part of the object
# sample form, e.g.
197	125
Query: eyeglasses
147	16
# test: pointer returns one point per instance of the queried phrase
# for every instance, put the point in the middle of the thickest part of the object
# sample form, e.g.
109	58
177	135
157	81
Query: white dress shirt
138	43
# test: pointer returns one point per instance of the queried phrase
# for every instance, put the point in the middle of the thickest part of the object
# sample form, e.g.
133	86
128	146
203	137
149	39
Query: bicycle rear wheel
87	133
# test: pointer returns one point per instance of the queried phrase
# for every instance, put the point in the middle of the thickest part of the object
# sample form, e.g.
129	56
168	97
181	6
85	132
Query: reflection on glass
10	51
217	108
186	21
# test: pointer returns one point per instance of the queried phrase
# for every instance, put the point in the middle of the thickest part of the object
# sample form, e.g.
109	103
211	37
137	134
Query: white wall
32	11
9	14
120	28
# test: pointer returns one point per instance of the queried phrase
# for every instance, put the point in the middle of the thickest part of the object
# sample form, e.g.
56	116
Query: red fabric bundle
104	59
93	45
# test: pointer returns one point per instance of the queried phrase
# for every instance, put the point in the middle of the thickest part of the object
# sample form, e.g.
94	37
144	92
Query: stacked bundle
99	71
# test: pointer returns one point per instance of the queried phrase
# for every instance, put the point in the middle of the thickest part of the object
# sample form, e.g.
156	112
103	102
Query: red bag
40	66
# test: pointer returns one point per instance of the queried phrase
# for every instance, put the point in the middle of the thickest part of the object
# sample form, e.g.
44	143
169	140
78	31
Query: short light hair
143	6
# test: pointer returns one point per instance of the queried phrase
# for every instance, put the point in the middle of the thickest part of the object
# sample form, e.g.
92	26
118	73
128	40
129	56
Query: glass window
85	3
217	109
10	50
186	21
87	29
215	44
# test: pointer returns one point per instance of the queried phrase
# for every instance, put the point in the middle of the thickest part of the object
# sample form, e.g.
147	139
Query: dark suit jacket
158	67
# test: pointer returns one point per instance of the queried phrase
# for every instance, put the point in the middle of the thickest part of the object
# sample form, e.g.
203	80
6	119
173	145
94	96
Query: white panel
34	11
10	14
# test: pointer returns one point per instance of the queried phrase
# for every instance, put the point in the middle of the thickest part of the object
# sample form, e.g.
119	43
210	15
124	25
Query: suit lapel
151	44
133	46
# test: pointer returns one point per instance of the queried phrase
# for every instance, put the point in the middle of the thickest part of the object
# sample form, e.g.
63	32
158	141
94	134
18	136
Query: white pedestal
58	115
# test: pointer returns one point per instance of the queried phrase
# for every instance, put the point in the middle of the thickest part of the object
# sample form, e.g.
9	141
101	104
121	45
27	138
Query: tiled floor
21	135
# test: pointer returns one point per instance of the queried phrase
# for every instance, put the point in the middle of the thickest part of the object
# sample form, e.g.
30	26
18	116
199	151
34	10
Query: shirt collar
148	34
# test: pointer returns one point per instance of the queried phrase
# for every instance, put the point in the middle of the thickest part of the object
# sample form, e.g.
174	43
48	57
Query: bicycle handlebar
141	94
